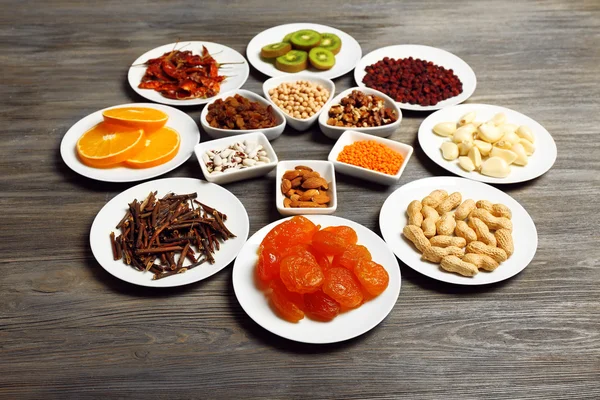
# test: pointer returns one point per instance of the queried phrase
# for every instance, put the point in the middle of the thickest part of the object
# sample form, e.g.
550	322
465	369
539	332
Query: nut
303	177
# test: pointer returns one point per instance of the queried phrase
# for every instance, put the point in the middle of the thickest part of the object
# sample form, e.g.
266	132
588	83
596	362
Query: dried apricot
329	243
350	258
322	259
342	286
300	272
372	276
321	307
288	305
349	234
296	230
268	265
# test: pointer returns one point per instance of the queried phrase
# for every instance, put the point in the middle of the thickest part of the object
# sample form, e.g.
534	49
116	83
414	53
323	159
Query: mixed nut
360	110
237	156
303	187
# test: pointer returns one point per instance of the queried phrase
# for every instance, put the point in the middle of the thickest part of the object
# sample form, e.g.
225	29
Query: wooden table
68	329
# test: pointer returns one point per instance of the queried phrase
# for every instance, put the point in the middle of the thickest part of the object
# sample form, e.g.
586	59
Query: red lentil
372	155
413	81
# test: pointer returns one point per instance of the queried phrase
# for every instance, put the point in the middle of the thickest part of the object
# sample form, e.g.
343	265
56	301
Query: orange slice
107	145
148	119
160	146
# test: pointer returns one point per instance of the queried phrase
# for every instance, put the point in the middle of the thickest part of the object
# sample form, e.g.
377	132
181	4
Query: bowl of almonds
305	187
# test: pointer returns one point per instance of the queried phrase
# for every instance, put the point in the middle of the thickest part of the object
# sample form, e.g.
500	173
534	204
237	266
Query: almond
297	182
314	183
287	202
321	199
300	167
286	185
308	195
294	197
306	204
292	174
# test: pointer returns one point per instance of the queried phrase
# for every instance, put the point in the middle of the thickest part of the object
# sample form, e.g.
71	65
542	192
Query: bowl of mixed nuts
363	110
305	187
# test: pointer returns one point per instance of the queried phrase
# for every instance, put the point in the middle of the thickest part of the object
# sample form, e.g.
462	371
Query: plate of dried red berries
418	78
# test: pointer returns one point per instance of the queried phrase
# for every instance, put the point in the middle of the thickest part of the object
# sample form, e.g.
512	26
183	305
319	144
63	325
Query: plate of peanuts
487	143
458	231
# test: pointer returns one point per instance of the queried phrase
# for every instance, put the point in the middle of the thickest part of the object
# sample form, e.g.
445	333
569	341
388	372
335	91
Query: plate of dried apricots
458	231
129	142
316	279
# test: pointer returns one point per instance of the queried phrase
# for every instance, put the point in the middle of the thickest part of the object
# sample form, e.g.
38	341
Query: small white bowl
300	124
236	174
324	168
270	133
334	132
350	137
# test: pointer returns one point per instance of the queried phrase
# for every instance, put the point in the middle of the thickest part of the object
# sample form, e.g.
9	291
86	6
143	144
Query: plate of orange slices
129	142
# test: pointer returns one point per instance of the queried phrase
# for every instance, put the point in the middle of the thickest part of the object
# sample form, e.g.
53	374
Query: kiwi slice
331	42
305	39
275	50
321	58
288	37
292	61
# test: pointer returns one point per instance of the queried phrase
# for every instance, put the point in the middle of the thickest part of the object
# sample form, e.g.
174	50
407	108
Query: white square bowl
237	174
334	132
299	124
327	172
349	137
218	133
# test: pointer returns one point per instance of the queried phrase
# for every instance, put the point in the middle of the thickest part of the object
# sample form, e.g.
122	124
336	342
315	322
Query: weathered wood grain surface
70	330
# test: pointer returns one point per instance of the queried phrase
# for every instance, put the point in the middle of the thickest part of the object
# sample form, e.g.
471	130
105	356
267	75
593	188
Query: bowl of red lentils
301	98
370	157
363	110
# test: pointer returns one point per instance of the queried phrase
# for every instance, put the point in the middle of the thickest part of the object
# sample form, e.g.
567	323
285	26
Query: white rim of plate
184	125
333	331
135	73
441	57
257	42
392	219
112	212
540	162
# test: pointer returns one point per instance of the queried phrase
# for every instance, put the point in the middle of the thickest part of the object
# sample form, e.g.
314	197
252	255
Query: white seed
205	158
218	169
466	163
495	167
445	128
217	160
237	159
226	153
259	163
449	151
525	132
216	172
264	159
248	162
210	154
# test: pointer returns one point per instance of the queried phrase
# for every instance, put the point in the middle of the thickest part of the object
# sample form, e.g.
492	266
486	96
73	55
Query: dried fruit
300	272
372	276
351	256
321	307
342	286
283	302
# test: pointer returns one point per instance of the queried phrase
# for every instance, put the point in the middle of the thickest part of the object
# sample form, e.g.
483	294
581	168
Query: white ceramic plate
345	60
343	327
178	120
392	220
237	73
438	56
539	162
208	193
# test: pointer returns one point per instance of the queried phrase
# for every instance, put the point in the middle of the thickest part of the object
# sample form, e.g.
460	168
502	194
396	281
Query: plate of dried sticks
169	232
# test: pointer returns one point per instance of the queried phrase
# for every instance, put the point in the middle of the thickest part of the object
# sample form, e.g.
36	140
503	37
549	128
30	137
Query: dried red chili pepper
413	81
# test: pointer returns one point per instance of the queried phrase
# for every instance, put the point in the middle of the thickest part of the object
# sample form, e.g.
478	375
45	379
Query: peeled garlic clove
495	167
519	150
466	163
498	119
449	151
489	133
463	148
467	118
507	155
445	128
484	147
528	146
464	134
508	128
507	141
525	132
475	156
477	124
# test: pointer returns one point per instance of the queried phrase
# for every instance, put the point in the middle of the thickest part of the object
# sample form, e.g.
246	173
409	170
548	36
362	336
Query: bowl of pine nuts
301	98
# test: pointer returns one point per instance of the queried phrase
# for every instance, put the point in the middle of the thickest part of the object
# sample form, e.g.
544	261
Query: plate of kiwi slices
303	47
